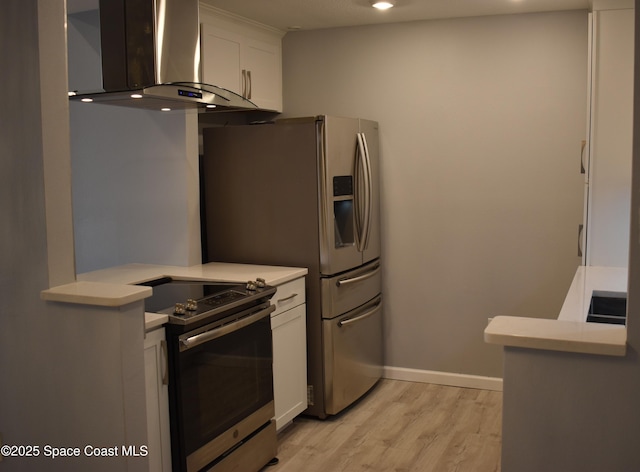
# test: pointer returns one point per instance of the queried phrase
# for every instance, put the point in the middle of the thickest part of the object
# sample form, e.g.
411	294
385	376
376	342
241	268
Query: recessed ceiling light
211	106
165	109
383	5
87	100
136	95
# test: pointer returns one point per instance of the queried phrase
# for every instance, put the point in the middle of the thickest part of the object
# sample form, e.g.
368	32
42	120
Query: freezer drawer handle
369	313
223	330
341	282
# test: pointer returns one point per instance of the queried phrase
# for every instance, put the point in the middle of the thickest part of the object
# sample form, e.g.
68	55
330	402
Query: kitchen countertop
114	286
570	332
587	280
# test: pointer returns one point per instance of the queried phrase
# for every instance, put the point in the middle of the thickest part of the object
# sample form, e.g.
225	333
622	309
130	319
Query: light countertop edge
154	320
570	332
114	287
557	335
587	280
96	293
213	271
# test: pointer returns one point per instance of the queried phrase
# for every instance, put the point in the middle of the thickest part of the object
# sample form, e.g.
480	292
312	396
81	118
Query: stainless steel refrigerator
304	192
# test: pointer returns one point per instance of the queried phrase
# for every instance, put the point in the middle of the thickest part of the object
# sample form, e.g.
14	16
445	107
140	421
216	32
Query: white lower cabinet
157	393
289	331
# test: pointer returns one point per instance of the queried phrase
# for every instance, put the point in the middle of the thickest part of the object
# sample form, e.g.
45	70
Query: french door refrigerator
304	192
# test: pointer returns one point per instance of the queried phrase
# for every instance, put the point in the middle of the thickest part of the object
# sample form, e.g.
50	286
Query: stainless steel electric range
220	373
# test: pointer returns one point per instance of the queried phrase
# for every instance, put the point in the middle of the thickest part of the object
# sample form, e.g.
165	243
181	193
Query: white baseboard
443	378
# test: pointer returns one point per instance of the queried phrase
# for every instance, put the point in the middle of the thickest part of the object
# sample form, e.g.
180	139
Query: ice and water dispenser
343	210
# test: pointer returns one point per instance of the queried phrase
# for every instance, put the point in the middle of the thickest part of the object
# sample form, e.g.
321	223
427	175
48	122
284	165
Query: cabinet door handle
582	168
580	229
244	83
250	84
280	300
165	363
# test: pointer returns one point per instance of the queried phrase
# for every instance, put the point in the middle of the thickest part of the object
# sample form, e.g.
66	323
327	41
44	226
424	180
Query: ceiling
318	14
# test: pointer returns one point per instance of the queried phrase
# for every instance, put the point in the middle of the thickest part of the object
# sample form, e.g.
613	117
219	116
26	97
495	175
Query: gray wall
481	121
135	172
60	366
135	187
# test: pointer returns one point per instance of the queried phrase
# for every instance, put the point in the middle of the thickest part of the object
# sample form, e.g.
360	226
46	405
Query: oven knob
260	283
192	305
251	285
179	309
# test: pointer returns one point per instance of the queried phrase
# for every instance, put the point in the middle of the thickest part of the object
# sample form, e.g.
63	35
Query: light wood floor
400	426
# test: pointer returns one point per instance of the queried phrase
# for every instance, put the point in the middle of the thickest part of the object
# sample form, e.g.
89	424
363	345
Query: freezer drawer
352	355
344	292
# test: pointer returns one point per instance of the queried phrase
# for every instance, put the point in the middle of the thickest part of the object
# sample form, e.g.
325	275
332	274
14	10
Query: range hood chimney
151	59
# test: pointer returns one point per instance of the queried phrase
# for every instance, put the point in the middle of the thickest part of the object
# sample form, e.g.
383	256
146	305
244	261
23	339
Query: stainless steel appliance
150	51
304	192
220	373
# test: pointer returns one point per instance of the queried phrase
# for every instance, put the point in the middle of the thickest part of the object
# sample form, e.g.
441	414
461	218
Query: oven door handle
223	330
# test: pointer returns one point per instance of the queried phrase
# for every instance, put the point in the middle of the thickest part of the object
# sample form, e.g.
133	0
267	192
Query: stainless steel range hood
150	53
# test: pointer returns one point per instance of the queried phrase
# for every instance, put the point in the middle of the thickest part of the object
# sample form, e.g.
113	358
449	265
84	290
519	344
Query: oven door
222	386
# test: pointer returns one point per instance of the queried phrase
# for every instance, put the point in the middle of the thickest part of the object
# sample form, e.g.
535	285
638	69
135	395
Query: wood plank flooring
400	427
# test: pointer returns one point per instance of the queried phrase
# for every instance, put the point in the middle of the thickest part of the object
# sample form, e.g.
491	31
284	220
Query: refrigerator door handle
367	314
357	174
367	229
352	280
362	191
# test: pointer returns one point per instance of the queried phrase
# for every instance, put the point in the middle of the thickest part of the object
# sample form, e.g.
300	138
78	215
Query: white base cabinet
289	331
157	393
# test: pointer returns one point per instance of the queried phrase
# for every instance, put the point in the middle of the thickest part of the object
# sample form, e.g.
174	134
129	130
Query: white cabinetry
157	393
243	58
288	326
610	134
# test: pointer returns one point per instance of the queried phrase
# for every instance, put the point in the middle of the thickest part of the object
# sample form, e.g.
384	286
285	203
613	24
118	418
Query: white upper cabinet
610	136
242	57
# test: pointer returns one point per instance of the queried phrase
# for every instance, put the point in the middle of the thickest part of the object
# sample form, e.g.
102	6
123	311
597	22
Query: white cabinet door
157	395
247	66
289	332
263	66
611	136
221	56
